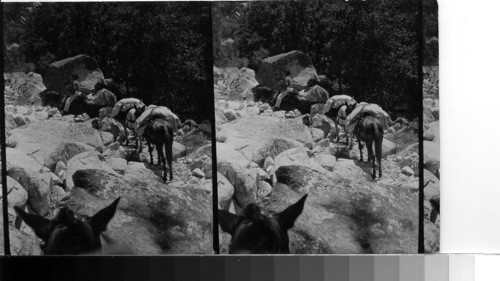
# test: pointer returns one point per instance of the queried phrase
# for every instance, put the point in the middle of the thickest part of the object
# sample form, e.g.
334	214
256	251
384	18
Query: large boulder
300	156
71	149
26	88
271	70
46	140
432	132
225	192
258	137
151	218
431	157
431	191
84	161
239	171
32	177
234	83
178	150
316	94
20	243
17	196
59	73
347	215
138	171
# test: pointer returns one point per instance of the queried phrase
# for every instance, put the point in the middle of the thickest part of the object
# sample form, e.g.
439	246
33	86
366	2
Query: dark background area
367	48
158	51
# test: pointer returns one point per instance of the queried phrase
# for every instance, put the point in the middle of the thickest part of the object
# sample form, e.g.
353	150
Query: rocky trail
55	161
347	211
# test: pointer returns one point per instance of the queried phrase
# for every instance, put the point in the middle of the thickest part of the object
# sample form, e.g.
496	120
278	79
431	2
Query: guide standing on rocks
288	89
75	92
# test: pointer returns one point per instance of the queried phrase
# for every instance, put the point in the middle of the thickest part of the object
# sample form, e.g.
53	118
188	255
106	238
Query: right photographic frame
323	110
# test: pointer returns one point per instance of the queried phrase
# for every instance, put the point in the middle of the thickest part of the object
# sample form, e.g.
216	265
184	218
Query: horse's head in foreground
258	231
69	234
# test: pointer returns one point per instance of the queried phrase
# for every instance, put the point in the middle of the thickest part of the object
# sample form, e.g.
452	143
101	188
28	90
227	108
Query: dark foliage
159	52
368	49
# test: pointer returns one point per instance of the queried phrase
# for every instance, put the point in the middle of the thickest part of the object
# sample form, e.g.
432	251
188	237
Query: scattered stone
10	108
197	164
264	107
221	136
290	114
324	143
234	105
53	111
198	173
269	162
57	194
407	171
40	115
138	171
230	114
16	194
326	161
19	119
114	146
22	110
107	138
264	189
178	150
317	134
117	164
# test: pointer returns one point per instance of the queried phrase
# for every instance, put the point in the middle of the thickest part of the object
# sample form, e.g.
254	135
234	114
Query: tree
158	52
369	48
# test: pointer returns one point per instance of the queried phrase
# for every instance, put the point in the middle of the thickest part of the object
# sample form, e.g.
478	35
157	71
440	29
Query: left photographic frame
108	126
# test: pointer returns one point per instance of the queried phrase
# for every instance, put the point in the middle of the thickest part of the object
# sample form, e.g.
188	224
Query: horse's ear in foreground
258	232
67	234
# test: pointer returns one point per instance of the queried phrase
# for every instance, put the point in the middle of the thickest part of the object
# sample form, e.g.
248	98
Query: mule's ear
42	226
100	221
287	218
228	221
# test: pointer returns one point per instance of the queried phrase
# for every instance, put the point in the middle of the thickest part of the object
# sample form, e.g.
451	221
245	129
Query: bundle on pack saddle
337	108
127	111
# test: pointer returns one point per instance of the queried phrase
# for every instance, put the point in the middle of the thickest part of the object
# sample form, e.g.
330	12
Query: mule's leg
369	147
159	151
360	146
126	133
346	135
168	151
150	148
378	153
138	141
371	157
351	141
337	130
159	148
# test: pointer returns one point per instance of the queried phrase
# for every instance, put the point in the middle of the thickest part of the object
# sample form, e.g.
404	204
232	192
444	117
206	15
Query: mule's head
69	234
258	231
